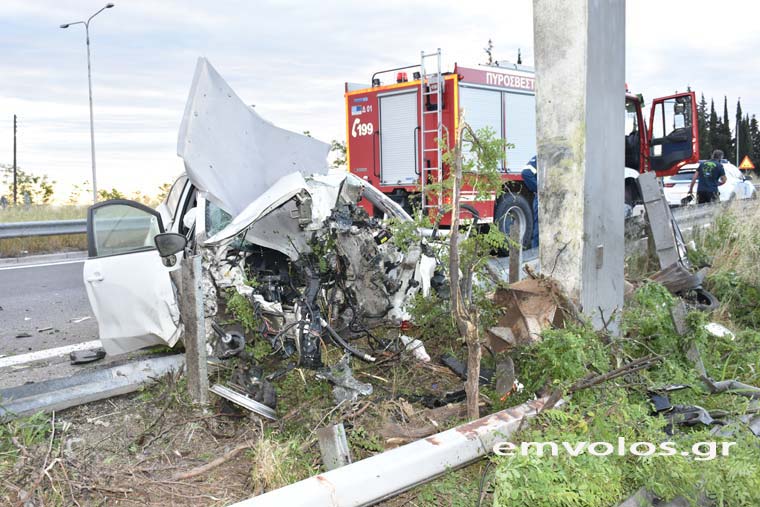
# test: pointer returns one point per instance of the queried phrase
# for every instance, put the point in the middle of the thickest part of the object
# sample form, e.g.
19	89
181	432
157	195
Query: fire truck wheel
511	206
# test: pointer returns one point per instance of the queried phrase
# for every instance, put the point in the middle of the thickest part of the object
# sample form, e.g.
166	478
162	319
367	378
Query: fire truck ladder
431	85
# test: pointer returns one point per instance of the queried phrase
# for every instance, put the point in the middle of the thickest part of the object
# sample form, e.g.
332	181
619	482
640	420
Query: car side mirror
169	243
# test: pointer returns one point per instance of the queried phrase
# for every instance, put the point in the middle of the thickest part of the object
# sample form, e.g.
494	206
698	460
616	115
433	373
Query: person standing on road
711	175
530	178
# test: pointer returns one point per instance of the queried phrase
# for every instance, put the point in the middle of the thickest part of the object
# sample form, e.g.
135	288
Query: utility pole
15	178
580	92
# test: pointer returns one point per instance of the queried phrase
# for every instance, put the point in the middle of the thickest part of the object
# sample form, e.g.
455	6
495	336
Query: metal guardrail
703	214
687	216
42	228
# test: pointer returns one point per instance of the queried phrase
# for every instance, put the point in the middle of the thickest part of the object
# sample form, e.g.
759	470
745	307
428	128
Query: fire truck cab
392	132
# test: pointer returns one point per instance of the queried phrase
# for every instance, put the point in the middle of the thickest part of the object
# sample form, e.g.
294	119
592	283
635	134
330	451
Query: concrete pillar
193	319
579	51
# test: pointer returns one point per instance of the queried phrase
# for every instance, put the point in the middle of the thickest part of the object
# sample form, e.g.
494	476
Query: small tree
163	191
339	149
105	194
39	188
478	169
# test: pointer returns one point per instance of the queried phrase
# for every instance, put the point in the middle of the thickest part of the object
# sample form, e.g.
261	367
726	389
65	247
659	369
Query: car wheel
701	299
515	206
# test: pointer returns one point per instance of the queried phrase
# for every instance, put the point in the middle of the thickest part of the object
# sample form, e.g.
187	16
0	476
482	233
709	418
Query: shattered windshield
216	218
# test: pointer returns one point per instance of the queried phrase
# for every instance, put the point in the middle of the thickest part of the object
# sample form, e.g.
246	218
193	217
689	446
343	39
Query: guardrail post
515	251
193	319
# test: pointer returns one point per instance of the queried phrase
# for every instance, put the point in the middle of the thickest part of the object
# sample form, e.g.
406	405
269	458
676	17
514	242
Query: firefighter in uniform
530	178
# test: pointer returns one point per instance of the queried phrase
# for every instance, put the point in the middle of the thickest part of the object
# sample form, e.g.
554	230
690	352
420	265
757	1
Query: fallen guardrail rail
387	474
60	393
42	228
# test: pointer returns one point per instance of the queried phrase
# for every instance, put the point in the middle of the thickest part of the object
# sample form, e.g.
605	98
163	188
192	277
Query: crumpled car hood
231	154
269	221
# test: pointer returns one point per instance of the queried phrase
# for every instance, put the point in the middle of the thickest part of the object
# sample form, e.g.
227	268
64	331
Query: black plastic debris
230	344
86	356
460	369
683	415
250	379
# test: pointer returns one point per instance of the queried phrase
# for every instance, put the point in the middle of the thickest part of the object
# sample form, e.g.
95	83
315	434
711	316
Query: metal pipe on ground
387	474
93	385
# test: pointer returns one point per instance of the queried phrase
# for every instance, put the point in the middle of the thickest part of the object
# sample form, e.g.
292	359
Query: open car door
673	133
129	288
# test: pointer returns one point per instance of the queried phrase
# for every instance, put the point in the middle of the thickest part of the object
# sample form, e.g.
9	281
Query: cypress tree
746	139
754	132
727	143
703	118
713	127
739	134
754	135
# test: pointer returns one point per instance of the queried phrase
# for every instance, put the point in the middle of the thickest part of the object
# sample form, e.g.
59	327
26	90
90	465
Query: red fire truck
392	131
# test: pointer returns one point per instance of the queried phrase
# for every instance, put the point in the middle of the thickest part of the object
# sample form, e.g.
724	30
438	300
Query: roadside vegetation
623	409
37	201
155	448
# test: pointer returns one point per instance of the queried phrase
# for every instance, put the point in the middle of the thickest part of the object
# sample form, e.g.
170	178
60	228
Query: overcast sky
291	59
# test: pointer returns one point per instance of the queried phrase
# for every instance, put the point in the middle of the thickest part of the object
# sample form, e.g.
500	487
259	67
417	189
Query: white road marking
47	353
41	265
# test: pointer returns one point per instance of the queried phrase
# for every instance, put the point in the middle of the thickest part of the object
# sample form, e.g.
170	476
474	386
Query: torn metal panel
676	278
232	154
347	388
659	220
281	191
244	401
333	446
530	306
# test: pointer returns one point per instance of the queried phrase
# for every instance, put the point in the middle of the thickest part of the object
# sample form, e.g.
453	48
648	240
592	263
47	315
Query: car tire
512	205
701	299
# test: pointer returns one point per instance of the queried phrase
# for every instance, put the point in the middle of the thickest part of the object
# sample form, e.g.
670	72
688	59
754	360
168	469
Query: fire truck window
632	139
398	123
482	108
671	118
631	120
520	127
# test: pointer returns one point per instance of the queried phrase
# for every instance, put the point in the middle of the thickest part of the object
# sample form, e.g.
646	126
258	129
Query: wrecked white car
298	245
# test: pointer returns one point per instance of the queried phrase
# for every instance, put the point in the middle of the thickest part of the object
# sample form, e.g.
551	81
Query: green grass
15	247
18	435
35	213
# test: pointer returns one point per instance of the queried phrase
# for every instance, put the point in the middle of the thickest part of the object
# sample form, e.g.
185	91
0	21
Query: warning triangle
746	164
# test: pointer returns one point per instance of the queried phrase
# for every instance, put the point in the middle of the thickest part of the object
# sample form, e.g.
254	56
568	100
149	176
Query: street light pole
89	84
92	123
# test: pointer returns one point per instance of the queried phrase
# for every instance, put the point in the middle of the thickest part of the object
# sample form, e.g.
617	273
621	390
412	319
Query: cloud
291	59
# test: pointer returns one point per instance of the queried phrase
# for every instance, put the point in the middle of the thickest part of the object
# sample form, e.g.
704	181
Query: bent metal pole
387	474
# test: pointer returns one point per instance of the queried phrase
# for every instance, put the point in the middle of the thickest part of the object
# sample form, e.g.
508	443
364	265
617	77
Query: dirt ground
155	448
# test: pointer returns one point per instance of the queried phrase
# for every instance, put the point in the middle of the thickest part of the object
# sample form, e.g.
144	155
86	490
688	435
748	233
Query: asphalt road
36	297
